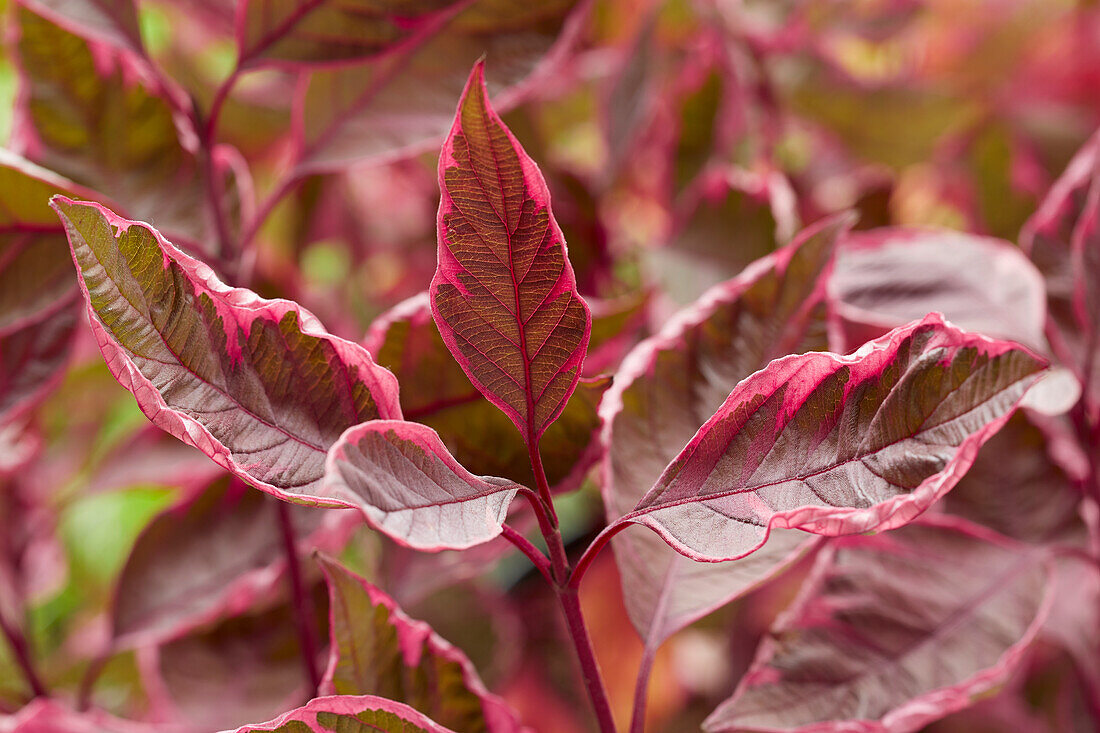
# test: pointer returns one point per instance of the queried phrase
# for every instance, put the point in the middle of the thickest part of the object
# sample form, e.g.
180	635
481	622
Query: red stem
303	616
540	561
567	595
641	689
22	656
594	549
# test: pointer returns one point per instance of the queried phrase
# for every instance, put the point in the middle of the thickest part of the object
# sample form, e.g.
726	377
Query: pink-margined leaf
376	649
838	444
888	277
38	298
436	392
349	714
404	100
101	116
110	21
211	555
893	631
48	715
408	486
1016	488
670	384
255	384
504	296
240	667
1063	240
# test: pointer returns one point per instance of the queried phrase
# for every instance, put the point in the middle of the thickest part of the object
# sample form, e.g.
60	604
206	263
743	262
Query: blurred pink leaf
352	714
209	556
38	298
377	650
1063	240
255	384
893	631
670	384
888	277
111	21
47	715
101	116
504	296
408	486
405	99
436	392
838	444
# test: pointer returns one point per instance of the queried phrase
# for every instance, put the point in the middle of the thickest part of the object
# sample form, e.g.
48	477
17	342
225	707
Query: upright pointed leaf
435	391
257	385
407	485
838	444
1063	240
504	295
377	650
893	631
349	714
670	384
404	99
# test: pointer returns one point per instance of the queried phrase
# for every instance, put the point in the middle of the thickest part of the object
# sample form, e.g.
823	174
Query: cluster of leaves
848	471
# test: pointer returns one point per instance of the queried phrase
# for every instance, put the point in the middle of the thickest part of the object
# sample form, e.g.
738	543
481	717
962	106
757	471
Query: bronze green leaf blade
504	295
377	650
350	714
255	384
838	444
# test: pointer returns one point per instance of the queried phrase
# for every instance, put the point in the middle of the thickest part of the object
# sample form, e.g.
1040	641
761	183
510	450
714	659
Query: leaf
291	33
888	277
99	116
47	714
404	99
1063	240
436	392
349	714
110	21
211	555
377	650
244	667
666	389
893	631
408	486
504	296
838	444
37	295
1015	488
255	384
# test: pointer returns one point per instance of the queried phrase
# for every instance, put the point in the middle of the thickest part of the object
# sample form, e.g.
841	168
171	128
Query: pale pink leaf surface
378	650
404	100
670	384
1063	240
838	444
256	384
893	631
211	555
504	296
295	32
350	714
436	392
111	21
48	715
408	486
888	277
